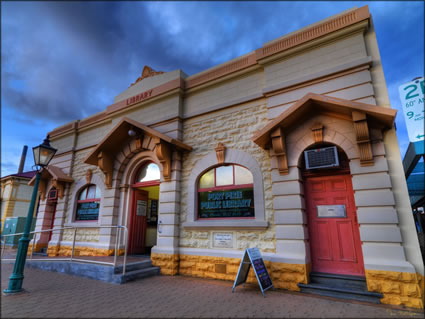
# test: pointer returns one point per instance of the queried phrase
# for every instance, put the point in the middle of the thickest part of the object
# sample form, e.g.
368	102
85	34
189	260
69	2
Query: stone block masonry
398	288
283	275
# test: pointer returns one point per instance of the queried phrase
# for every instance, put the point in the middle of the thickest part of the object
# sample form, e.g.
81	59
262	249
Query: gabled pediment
145	138
58	178
360	114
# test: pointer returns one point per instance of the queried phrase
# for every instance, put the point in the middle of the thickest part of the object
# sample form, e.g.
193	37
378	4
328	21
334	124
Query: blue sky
65	61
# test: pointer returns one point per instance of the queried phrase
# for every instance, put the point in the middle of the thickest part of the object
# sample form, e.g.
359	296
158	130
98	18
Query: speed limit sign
412	101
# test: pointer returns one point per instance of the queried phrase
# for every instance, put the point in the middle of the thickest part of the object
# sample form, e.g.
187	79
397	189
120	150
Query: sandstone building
290	148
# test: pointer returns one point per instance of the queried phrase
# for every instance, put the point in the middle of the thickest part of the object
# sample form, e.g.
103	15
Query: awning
58	177
361	114
145	137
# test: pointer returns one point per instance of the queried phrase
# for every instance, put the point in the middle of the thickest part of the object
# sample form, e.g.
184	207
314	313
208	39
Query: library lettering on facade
290	148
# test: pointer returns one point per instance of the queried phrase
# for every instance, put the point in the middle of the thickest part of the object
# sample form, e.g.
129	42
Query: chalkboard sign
252	256
231	203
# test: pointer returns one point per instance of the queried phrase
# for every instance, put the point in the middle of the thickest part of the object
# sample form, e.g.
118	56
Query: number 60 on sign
412	100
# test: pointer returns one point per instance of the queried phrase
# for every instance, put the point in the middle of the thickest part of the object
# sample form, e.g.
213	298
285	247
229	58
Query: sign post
252	256
412	101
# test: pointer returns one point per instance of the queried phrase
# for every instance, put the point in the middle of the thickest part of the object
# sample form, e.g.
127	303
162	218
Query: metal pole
17	277
116	246
33	244
4	246
125	251
73	243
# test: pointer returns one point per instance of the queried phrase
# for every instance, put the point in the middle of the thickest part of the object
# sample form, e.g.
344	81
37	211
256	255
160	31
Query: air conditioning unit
321	158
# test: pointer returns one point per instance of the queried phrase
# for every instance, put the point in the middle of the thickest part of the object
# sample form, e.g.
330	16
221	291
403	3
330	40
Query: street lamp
42	156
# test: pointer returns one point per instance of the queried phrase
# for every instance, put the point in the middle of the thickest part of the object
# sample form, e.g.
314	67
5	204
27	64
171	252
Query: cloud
63	61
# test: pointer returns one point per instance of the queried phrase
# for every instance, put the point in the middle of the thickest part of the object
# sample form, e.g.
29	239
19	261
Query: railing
72	257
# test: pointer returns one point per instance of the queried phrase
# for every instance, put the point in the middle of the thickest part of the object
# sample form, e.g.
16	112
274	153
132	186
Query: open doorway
143	223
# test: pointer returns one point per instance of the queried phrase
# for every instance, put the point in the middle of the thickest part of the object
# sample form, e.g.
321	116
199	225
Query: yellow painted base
169	264
398	288
38	247
285	276
81	251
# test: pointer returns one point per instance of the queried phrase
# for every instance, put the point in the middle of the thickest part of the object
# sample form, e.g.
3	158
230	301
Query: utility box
15	225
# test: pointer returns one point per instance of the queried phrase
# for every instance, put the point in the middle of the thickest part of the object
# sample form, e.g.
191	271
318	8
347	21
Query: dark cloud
63	61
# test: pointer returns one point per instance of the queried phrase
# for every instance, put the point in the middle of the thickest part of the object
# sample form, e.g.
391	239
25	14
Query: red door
334	233
139	207
52	221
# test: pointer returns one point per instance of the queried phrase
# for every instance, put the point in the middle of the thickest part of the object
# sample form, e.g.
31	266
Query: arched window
148	173
88	203
226	191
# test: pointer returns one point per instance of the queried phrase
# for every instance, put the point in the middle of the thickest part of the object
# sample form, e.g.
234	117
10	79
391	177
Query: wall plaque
327	211
223	240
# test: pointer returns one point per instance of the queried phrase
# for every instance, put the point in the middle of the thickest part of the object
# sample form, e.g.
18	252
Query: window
88	203
148	173
226	191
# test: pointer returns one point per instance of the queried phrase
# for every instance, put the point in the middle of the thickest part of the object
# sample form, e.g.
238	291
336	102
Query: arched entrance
332	219
143	214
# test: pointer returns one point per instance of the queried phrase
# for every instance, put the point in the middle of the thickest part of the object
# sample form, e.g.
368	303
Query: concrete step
133	266
338	281
341	293
136	274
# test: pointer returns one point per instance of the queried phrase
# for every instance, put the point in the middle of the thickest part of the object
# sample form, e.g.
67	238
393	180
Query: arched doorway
143	221
332	219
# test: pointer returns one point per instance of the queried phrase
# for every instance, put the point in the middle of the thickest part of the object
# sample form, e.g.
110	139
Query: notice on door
141	208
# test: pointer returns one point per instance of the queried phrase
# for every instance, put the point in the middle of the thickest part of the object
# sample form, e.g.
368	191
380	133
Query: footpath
57	295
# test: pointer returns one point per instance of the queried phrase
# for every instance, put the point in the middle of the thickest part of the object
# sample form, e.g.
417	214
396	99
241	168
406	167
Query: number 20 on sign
412	100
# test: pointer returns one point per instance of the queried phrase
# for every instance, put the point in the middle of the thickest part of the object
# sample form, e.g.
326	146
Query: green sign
229	203
88	211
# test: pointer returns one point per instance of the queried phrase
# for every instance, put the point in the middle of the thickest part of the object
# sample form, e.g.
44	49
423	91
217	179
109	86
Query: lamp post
42	156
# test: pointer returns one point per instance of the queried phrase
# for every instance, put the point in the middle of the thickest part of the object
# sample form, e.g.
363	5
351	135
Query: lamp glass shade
43	153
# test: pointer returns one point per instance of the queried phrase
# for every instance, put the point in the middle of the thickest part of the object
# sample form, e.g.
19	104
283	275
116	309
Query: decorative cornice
221	71
314	32
226	70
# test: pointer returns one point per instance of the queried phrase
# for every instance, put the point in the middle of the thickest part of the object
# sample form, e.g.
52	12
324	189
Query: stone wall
234	128
283	275
398	288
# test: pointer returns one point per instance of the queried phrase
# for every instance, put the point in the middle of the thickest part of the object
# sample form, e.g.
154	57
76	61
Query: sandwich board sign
412	101
252	256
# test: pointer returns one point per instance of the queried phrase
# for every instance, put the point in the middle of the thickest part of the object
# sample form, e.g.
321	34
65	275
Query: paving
58	295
